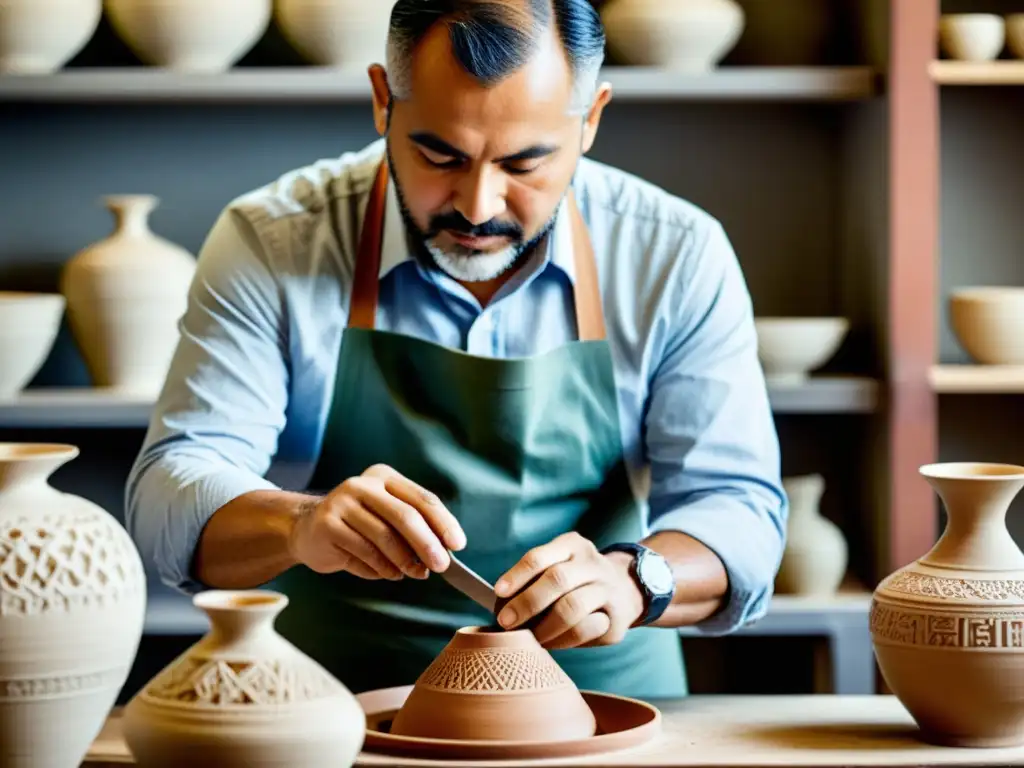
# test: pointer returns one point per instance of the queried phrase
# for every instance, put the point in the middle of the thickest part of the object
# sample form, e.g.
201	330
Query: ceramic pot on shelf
816	554
38	37
948	629
72	607
336	33
29	323
682	35
244	696
190	35
125	296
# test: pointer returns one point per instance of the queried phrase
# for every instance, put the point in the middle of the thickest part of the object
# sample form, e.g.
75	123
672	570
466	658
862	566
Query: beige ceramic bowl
989	323
28	327
790	347
972	36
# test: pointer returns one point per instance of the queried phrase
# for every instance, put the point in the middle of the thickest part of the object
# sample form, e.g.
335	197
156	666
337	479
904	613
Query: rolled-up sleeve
215	427
710	434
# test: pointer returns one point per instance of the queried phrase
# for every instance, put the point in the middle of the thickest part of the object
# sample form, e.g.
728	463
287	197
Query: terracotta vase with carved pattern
243	696
948	629
72	607
489	684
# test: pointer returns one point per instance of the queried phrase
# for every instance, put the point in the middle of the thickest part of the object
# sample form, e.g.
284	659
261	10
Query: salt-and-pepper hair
491	39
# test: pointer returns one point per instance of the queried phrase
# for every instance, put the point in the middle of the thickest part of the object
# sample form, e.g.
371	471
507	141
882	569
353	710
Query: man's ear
593	119
381	97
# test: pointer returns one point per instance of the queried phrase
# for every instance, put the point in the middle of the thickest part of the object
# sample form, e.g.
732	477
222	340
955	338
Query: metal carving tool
471	584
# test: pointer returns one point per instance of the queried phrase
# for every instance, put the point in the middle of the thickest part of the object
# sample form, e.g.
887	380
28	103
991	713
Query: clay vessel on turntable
948	629
72	606
244	696
488	684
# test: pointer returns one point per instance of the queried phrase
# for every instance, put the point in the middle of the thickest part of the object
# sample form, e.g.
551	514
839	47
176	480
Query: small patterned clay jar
488	684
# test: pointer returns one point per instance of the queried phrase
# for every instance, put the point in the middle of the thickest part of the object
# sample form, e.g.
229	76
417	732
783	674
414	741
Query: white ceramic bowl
1015	34
989	323
791	347
28	327
972	36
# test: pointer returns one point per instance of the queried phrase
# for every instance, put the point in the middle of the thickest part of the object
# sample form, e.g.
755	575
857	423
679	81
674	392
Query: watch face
655	572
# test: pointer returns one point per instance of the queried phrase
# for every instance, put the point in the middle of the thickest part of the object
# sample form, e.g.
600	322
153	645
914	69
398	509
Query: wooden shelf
977	72
316	84
826	394
84	407
977	379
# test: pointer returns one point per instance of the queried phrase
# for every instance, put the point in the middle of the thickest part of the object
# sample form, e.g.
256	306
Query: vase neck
804	496
131	212
240	616
25	467
976	537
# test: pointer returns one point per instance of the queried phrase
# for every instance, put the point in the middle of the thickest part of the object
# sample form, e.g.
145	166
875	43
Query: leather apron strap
363	309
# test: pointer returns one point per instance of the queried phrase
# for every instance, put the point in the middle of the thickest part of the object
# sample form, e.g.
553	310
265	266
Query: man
478	341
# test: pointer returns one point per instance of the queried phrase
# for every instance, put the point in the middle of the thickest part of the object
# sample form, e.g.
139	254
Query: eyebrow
435	143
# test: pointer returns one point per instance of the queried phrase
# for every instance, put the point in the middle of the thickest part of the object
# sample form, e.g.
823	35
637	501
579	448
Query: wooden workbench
727	731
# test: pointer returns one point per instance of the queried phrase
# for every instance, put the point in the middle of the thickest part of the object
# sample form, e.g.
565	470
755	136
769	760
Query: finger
569	610
441	521
406	520
593	627
387	540
358	568
555	582
532	564
352	543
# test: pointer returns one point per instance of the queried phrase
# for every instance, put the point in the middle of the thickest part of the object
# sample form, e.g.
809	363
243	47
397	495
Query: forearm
701	581
245	543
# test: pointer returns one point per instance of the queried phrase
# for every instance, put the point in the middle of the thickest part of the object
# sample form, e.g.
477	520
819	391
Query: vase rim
244	600
36	451
972	470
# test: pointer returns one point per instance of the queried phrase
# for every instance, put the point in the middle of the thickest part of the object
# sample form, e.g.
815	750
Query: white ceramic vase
815	558
682	35
40	36
29	323
72	607
125	296
336	33
244	696
190	35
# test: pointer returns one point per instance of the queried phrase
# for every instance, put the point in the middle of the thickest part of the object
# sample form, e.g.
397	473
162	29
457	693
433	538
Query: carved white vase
336	33
682	35
190	35
815	558
72	607
125	296
244	696
40	36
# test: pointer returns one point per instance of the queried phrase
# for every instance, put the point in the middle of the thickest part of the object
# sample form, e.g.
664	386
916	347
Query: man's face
480	171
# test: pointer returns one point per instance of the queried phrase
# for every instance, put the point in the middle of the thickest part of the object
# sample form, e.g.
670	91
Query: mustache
456	222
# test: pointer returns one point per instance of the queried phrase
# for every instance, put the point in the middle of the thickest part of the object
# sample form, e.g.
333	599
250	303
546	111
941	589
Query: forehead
530	103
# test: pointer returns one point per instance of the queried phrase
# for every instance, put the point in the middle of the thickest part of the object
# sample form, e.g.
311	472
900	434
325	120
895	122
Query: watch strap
655	603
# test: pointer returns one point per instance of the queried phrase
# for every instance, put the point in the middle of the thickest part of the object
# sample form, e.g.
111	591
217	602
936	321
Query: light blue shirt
250	385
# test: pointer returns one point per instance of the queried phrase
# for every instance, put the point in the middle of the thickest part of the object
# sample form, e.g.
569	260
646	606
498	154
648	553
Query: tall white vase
681	35
125	296
336	33
815	558
72	607
40	36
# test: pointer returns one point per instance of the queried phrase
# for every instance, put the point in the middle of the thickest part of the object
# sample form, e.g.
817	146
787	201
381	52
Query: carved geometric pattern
901	626
956	589
59	562
227	683
493	670
61	685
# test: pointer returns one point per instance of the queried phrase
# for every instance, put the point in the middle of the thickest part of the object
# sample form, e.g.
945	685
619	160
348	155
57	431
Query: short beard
463	264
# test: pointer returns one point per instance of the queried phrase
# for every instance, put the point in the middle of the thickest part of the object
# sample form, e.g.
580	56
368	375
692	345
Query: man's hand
379	525
592	599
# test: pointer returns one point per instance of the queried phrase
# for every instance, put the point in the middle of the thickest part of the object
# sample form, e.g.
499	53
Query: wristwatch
654	577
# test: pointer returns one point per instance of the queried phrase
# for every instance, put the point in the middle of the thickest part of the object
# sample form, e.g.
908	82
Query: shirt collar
558	250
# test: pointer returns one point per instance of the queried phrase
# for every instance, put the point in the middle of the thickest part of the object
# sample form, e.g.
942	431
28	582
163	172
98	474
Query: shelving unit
824	177
978	379
977	73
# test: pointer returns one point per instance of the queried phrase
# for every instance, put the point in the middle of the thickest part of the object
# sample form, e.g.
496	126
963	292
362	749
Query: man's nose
480	196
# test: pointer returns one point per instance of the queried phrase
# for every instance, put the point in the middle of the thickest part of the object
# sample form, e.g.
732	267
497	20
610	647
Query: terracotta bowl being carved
492	685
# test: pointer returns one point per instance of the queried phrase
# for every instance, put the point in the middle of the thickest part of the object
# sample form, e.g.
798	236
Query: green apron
520	451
